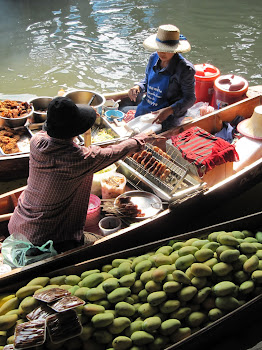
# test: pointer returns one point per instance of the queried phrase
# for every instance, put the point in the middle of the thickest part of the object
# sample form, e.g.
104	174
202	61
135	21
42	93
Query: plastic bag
18	251
199	109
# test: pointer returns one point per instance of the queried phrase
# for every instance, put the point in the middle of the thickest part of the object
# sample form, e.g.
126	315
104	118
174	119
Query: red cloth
204	149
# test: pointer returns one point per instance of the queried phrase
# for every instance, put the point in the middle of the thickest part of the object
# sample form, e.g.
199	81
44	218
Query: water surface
46	45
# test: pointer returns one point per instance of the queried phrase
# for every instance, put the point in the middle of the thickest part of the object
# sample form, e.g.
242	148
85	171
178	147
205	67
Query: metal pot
40	108
16	122
87	97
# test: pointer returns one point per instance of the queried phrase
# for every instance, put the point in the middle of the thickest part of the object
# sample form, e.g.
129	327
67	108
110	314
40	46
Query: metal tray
103	125
23	144
149	203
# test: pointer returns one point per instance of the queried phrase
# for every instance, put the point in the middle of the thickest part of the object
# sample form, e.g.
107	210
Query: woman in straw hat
169	83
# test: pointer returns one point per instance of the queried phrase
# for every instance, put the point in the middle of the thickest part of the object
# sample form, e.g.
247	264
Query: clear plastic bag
18	251
199	109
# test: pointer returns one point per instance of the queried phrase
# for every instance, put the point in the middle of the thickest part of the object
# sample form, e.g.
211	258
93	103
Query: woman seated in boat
55	201
169	83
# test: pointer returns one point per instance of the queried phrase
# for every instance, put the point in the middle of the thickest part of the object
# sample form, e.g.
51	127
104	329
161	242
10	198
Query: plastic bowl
114	114
109	224
110	105
93	212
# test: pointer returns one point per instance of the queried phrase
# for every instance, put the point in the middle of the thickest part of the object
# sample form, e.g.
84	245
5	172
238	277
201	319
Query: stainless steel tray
147	202
23	143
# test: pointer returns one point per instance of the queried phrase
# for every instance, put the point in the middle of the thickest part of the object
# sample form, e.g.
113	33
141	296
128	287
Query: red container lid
206	71
232	83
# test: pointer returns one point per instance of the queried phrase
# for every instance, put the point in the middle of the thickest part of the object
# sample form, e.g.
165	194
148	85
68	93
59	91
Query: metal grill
180	178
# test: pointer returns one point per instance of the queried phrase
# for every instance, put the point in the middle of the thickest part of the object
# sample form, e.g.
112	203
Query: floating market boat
184	202
16	166
236	317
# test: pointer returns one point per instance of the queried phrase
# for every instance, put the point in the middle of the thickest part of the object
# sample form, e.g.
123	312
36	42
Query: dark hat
65	119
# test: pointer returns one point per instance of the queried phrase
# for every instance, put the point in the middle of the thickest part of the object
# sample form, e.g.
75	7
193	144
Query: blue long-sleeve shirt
181	90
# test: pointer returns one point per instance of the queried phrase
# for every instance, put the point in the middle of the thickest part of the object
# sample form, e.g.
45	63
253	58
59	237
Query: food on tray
151	164
66	303
40	313
14	109
51	295
161	152
113	186
103	135
29	334
63	326
125	206
9	138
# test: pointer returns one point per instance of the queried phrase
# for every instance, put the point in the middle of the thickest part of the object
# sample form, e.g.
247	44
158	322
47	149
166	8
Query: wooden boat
187	212
237	329
17	166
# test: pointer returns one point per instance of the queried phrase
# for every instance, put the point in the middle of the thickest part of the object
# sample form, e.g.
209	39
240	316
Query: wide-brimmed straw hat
252	127
167	39
65	119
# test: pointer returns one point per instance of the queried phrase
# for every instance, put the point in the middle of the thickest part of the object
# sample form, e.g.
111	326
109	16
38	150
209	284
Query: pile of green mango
154	300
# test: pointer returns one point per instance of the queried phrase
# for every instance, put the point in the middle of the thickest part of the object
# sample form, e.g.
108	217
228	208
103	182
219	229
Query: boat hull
226	331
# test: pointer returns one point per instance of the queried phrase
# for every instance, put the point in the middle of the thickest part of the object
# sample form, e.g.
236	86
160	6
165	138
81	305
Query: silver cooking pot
87	97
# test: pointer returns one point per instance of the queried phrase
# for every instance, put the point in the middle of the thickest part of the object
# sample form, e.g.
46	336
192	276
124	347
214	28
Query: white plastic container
109	224
96	184
144	123
113	186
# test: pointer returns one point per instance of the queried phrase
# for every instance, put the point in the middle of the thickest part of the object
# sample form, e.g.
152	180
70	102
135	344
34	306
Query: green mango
121	343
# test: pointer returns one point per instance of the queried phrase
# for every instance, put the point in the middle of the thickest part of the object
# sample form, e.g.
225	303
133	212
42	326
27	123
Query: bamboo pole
87	138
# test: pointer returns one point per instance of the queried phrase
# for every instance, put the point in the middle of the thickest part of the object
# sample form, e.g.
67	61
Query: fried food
8	139
14	109
126	207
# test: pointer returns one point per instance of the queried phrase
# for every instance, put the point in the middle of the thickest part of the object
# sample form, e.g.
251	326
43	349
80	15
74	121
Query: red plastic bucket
228	89
205	76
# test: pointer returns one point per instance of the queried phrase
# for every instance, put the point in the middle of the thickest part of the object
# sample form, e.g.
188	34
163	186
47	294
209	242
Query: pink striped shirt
55	202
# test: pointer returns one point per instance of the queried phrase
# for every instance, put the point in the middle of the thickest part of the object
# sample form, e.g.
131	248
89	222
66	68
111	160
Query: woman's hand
162	114
133	93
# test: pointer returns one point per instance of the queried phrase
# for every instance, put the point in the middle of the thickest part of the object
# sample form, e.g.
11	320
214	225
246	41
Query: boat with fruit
174	291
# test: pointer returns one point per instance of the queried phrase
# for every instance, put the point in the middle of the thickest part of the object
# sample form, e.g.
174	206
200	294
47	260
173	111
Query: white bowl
110	105
109	224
